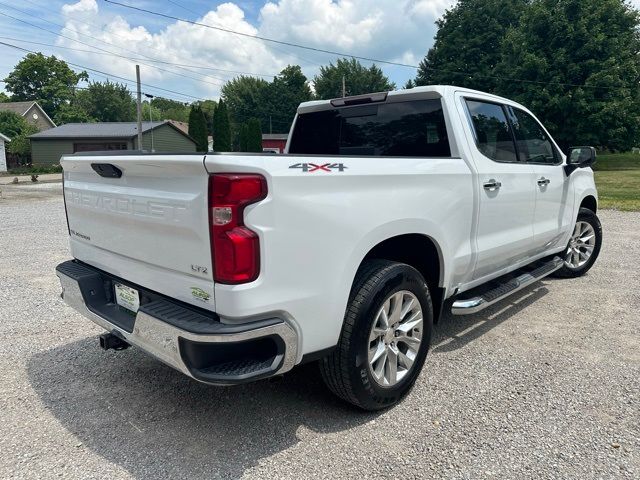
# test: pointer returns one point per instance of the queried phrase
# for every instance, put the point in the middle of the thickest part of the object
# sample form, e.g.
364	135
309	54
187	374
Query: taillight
235	249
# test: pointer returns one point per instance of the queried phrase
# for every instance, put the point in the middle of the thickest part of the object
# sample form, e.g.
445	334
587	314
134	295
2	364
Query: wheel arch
590	202
421	252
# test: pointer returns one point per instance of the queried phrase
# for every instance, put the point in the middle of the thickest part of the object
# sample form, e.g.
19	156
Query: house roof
5	138
17	107
275	136
99	130
21	108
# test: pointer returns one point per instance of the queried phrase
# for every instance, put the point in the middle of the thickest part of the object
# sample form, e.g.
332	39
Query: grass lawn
618	181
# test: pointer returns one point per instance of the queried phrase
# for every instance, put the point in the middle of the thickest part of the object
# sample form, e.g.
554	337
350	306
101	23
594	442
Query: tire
577	247
348	371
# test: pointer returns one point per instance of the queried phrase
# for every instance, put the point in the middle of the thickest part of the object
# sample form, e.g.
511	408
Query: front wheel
385	336
584	245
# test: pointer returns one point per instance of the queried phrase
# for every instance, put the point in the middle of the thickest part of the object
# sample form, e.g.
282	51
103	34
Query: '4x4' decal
325	167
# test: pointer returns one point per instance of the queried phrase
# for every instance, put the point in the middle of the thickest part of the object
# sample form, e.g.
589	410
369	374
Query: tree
254	135
468	44
208	108
243	97
171	109
358	79
198	128
107	102
242	138
280	99
46	79
409	84
575	64
18	130
221	128
71	113
4	97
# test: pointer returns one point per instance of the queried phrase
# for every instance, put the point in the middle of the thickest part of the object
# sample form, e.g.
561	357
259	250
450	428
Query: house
31	112
3	156
48	146
274	142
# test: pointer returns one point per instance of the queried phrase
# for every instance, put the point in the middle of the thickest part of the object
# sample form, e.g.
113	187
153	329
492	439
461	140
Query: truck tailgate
149	226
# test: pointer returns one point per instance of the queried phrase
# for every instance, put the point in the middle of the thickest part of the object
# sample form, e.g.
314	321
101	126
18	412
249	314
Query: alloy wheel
581	245
395	338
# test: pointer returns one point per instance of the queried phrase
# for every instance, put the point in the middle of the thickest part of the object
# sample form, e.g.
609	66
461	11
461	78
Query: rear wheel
385	336
584	245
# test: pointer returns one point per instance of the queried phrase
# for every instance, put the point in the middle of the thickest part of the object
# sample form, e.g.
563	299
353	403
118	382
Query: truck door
507	190
553	217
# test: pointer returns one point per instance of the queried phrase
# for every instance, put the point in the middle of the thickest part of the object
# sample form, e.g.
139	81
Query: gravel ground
544	386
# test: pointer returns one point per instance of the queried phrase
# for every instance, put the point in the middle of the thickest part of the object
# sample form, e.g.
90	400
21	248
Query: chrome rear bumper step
473	304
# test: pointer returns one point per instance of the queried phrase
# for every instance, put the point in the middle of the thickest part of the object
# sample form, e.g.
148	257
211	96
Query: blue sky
180	57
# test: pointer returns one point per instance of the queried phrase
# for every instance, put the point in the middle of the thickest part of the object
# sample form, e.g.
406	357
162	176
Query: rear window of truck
402	129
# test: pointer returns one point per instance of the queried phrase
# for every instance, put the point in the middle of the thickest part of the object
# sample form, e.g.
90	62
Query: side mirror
580	157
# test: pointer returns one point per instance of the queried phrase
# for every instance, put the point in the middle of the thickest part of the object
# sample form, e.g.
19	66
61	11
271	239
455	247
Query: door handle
544	181
492	185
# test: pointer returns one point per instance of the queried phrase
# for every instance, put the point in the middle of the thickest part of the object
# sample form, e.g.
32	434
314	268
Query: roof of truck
436	91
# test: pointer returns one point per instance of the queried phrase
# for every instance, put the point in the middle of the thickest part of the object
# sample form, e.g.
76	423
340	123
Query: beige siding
41	123
167	139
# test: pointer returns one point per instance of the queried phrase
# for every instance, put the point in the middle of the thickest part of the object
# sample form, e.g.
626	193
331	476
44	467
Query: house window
98	147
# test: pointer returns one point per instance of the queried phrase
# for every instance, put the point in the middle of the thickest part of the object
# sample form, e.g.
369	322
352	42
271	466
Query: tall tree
4	97
107	102
171	109
208	108
198	128
71	113
243	97
468	44
242	138
18	130
358	79
221	128
254	135
46	79
575	63
281	98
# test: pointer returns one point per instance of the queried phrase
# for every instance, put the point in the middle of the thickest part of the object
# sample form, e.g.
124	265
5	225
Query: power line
151	59
109	75
133	60
265	39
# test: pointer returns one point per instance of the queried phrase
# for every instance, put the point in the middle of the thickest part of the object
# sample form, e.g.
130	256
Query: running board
479	302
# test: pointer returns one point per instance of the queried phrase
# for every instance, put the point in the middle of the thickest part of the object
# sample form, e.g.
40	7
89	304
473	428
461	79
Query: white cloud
397	30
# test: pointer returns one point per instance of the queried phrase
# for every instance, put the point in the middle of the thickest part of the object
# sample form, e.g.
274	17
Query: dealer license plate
127	297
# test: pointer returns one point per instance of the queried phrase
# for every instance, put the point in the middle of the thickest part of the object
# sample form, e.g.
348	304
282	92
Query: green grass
618	161
618	181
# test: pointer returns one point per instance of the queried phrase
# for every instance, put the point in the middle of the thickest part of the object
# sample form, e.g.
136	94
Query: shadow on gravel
454	332
155	422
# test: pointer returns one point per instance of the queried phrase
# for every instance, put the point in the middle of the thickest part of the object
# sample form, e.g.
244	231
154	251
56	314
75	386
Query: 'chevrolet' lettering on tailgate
126	206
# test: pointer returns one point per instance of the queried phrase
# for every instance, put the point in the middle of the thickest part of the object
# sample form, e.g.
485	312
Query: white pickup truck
385	210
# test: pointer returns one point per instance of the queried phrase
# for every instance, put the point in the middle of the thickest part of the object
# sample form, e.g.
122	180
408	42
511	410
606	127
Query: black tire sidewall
370	394
586	215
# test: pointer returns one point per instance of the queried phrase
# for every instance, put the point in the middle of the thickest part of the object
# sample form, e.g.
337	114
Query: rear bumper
192	341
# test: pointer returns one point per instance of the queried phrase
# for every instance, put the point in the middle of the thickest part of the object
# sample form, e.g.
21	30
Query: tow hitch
110	341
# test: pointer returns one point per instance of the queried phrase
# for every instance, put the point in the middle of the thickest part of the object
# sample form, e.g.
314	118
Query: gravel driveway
546	386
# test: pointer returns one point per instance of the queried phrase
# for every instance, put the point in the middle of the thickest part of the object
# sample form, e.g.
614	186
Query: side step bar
474	304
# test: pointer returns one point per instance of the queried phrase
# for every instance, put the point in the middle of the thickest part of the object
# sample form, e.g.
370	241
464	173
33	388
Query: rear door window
492	130
403	129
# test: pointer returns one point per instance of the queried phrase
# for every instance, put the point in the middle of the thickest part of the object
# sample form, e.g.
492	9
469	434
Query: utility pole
151	97
270	125
139	106
344	87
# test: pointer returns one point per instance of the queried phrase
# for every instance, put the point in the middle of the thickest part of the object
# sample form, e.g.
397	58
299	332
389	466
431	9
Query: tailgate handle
106	170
